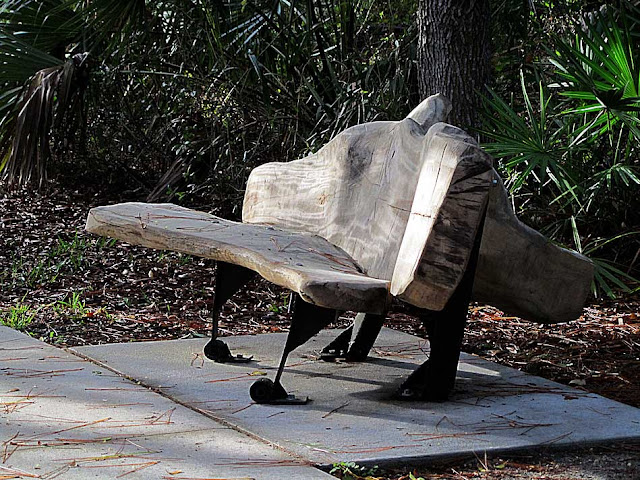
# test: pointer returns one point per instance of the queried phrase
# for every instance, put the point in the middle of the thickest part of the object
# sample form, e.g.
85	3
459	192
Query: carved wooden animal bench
411	209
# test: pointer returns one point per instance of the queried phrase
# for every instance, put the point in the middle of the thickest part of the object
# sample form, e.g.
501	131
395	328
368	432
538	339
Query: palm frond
48	25
35	37
105	19
53	94
601	70
20	60
529	147
608	279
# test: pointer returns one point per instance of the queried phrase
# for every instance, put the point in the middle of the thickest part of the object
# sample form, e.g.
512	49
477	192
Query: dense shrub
568	142
192	95
180	99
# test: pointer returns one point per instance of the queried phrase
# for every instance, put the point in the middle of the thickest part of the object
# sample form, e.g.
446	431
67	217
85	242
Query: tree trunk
453	54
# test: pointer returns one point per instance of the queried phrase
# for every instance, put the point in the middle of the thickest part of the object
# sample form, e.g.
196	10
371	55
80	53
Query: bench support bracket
435	378
307	321
229	280
355	342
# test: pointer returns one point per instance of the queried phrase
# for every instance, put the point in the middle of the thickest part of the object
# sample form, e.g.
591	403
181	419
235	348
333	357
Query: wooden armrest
449	202
519	270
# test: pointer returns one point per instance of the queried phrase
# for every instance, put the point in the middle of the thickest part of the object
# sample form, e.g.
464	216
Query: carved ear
432	110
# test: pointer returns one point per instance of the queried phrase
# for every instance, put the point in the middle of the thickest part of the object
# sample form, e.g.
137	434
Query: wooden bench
411	209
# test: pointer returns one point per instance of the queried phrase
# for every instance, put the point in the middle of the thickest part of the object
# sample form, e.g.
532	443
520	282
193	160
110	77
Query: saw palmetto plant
45	53
572	152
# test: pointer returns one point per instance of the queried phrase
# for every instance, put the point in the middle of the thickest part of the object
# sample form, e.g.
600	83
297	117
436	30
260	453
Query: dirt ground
69	288
615	462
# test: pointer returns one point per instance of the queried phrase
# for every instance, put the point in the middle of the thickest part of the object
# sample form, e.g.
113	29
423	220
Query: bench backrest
356	191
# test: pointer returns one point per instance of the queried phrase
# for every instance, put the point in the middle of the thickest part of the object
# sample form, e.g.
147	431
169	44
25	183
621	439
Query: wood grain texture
356	191
521	272
450	198
321	273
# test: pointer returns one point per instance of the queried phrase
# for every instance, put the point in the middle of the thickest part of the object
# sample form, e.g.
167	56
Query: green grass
277	308
18	317
353	471
184	259
67	256
72	306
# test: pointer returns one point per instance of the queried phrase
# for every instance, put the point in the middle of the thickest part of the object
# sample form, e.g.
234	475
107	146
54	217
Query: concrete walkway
64	417
352	418
187	418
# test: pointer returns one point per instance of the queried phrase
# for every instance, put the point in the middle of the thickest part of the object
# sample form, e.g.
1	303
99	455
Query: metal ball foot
263	391
267	392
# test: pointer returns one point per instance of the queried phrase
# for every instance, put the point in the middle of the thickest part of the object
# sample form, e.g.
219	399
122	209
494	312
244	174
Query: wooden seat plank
320	272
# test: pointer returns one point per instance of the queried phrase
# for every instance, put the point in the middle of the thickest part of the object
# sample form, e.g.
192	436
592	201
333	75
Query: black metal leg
366	329
307	321
229	279
355	342
435	379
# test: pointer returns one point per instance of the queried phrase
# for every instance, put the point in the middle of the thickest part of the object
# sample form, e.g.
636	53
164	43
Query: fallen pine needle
117	465
377	449
5	452
266	463
556	439
58	442
35	396
139	465
116	405
114	456
41	373
15	471
77	426
243	408
168	413
335	410
119	389
246	376
436	436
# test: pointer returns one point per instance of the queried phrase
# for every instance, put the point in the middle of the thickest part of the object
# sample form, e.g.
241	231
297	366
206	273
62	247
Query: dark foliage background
202	92
179	99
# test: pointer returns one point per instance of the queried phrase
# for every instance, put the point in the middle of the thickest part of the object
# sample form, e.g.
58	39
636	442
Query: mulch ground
614	462
69	288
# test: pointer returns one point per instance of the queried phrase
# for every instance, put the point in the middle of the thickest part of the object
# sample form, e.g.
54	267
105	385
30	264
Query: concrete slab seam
197	410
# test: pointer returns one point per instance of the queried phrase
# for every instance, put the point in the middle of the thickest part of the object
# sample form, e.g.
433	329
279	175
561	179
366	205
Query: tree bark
454	53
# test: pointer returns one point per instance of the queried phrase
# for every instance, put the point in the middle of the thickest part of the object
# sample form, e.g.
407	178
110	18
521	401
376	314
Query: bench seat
320	272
